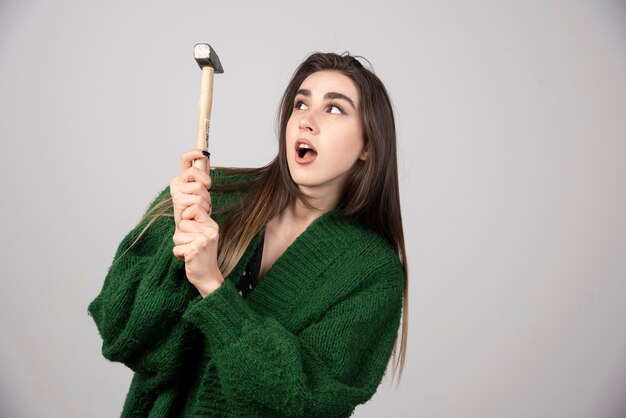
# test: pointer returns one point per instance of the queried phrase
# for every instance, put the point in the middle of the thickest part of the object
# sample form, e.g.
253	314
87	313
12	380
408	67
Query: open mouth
305	153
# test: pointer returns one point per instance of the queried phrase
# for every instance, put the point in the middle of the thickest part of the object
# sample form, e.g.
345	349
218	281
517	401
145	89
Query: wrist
209	286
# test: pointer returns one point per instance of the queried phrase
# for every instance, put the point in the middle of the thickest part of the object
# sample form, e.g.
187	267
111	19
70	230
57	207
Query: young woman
275	291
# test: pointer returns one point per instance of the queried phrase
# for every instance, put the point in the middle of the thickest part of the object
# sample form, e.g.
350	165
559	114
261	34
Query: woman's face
324	134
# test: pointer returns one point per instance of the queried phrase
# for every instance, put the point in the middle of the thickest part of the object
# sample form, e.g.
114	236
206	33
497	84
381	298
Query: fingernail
207	154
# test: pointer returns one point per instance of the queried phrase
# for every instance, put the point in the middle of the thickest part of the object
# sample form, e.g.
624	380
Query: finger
192	230
194	188
182	238
192	248
197	213
186	160
187	250
190	226
183	201
195	174
180	251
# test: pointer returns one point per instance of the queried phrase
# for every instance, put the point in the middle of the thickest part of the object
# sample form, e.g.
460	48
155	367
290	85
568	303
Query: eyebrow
329	95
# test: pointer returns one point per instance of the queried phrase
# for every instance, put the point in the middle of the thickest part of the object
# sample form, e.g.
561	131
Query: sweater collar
319	245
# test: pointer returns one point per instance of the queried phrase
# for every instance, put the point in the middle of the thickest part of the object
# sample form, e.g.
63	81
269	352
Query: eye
299	104
335	108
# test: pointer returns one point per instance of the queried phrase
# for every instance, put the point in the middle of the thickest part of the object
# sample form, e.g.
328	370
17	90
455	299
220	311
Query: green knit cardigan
313	339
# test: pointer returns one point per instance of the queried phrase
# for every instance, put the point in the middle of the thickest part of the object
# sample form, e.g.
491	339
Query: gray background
512	127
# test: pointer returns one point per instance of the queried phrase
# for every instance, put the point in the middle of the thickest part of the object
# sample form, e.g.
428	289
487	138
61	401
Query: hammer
210	64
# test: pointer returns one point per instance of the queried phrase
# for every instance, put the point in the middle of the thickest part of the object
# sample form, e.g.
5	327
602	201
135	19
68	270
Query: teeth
305	146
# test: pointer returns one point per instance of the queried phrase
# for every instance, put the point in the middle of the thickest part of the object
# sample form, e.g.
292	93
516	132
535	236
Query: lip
304	141
309	157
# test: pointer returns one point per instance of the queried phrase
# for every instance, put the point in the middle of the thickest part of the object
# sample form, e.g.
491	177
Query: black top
250	276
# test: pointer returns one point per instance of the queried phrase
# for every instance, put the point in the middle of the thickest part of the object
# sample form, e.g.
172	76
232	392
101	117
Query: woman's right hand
191	186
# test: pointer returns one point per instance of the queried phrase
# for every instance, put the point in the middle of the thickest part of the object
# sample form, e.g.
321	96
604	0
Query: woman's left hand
196	244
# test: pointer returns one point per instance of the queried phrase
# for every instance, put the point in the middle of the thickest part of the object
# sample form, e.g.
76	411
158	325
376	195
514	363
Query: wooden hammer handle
204	114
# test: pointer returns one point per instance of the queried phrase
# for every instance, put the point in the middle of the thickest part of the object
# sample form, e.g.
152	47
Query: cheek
349	144
291	129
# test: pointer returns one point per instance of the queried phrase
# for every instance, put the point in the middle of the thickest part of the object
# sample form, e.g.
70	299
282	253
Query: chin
318	175
322	183
305	179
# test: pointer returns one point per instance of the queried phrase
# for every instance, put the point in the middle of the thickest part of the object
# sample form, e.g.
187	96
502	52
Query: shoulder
365	252
360	239
353	265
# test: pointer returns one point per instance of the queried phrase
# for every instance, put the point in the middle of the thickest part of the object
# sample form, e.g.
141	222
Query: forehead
322	82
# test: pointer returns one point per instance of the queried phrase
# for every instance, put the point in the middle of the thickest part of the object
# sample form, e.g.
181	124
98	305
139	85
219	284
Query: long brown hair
371	193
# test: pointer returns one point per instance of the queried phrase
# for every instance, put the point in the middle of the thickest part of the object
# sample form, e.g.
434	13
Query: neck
323	199
298	216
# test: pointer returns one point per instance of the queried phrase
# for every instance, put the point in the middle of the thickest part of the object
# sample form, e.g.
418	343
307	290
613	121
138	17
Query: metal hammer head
205	55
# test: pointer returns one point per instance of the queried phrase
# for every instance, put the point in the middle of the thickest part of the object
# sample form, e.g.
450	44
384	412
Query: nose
308	123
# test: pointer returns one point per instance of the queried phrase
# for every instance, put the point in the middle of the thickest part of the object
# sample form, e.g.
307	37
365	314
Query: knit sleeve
325	370
138	311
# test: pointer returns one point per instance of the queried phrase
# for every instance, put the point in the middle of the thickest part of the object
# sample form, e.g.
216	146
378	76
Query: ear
364	154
